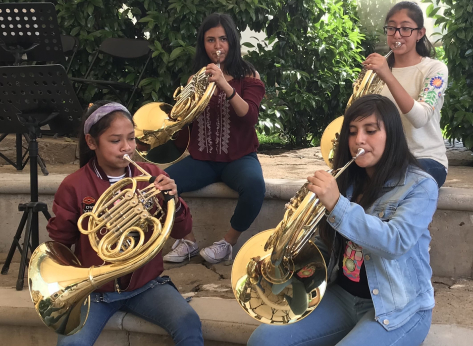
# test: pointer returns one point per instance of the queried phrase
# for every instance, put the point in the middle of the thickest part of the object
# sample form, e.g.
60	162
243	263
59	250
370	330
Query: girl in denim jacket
375	240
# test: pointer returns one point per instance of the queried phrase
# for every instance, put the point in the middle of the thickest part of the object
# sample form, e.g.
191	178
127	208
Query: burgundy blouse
219	134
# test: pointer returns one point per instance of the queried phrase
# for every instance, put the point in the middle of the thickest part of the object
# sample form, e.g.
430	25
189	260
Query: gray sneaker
217	252
182	249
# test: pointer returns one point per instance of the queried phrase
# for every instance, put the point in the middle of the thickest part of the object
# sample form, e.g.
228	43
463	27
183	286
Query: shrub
457	111
310	67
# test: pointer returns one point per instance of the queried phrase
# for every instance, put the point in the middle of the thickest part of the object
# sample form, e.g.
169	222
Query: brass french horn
60	286
367	83
162	132
279	275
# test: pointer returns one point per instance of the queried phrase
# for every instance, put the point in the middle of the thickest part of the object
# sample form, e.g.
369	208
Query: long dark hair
234	65
85	154
392	164
423	47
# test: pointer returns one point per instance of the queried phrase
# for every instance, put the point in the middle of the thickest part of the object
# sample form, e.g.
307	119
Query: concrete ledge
212	207
223	323
20	184
451	198
282	189
222	319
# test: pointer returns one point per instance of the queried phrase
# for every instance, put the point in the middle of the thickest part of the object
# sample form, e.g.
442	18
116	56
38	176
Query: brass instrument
60	286
279	275
367	83
158	124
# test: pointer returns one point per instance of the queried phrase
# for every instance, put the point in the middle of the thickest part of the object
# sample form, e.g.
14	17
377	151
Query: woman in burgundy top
223	140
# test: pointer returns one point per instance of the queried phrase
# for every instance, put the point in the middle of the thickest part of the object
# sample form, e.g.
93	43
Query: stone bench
212	208
223	324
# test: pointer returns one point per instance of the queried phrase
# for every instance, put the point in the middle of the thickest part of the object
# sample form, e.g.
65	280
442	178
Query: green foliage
309	69
271	141
315	52
457	22
169	25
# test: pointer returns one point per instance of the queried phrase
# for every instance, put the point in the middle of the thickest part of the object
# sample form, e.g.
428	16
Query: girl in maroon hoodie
108	134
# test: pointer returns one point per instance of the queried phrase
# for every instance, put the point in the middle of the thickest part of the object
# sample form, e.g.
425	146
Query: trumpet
279	276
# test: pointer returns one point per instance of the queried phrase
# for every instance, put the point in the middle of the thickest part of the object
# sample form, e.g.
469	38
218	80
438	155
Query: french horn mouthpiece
360	152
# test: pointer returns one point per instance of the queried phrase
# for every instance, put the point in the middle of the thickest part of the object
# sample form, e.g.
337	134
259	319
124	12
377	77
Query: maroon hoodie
77	194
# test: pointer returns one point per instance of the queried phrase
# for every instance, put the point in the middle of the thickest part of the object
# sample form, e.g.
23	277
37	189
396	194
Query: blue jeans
158	302
343	320
435	169
244	175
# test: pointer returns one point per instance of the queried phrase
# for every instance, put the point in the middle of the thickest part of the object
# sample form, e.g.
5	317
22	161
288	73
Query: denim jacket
394	235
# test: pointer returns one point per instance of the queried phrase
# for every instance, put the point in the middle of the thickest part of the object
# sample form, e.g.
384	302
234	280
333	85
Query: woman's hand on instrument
378	64
324	185
217	76
164	183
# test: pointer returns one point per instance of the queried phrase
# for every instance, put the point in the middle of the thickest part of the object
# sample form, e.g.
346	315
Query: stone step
223	323
213	206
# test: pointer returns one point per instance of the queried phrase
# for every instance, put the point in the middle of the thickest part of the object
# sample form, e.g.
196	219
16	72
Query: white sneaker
182	249
217	252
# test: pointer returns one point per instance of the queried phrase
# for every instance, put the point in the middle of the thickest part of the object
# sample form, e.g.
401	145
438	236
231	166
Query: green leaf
469	117
154	96
175	53
248	45
469	53
146	19
468	142
90	22
75	31
429	10
97	3
90	9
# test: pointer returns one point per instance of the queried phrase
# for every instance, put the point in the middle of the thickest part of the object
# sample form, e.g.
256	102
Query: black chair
122	48
70	45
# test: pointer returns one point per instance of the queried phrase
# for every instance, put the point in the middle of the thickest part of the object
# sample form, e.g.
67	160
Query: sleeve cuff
336	216
178	206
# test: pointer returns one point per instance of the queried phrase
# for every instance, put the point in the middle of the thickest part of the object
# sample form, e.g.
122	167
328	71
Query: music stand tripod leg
16	242
32	220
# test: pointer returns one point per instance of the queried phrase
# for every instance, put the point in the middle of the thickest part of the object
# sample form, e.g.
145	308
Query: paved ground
60	157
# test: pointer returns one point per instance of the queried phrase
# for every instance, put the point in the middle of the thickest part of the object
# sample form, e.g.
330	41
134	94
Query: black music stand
28	32
32	97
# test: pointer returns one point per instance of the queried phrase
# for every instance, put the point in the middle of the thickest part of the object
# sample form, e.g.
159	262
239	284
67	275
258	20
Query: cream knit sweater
425	83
